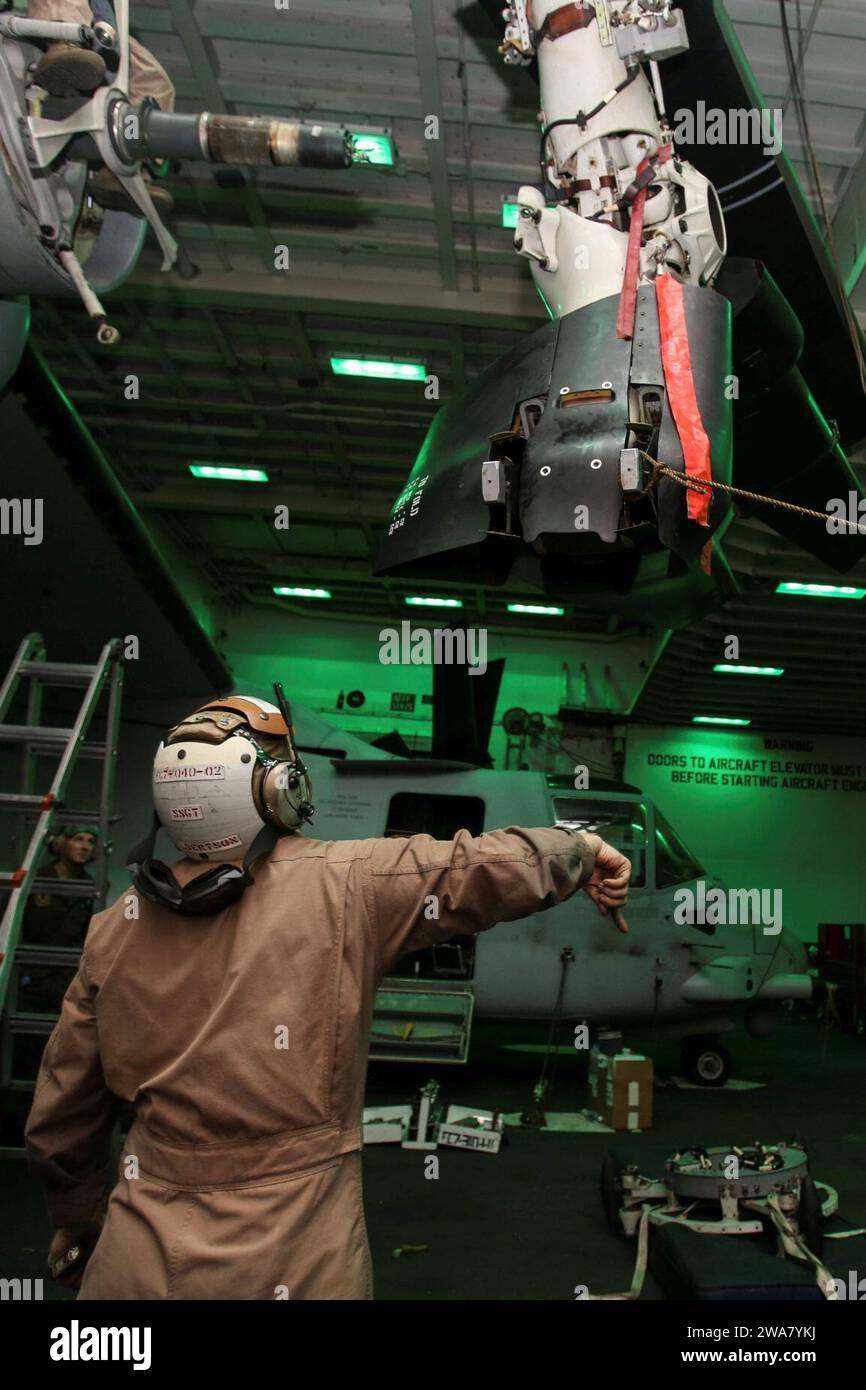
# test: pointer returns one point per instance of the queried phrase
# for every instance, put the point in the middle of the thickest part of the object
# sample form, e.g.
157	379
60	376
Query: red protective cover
680	384
628	294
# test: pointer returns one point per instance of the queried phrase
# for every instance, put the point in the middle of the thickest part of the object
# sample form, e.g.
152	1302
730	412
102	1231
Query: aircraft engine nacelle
550	455
47	144
545	453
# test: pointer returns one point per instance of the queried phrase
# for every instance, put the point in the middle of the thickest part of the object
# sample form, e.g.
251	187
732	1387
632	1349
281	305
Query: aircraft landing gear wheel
705	1062
612	1192
809	1216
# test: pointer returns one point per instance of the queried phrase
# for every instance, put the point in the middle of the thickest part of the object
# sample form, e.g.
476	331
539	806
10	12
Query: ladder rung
19	801
29	733
58	672
47	955
31	1024
47	739
57	887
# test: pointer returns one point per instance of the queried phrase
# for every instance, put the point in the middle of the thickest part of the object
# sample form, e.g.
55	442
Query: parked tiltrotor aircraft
681	981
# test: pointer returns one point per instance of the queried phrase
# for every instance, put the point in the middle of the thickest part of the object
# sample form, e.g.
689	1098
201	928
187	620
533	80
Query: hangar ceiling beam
849	226
341	242
310	376
458	359
283	28
513	305
521	125
186	27
431	98
160	354
233	362
320	503
832	21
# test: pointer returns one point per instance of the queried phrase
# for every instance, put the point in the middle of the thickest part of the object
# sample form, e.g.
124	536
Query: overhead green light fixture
298	591
735	669
432	601
717	719
372	147
379	368
542	610
820	590
229	475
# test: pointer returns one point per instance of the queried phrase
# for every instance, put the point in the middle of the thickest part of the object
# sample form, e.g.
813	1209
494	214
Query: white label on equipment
633	1093
190	772
206	846
453	1140
601	16
186	813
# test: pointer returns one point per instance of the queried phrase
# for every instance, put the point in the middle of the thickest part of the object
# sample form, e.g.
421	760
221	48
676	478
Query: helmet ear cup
283	790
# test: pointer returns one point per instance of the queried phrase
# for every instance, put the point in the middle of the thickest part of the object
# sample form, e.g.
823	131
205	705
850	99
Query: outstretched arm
421	891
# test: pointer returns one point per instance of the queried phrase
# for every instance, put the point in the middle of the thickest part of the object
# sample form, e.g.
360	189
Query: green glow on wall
856	270
545	303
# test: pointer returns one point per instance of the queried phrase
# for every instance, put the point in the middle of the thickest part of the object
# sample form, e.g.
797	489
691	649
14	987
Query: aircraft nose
788	976
796	950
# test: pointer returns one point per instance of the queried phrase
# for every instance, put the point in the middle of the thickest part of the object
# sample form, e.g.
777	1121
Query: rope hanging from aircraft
663	470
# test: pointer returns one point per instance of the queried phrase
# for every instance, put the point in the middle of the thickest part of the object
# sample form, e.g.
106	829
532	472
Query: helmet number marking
189	772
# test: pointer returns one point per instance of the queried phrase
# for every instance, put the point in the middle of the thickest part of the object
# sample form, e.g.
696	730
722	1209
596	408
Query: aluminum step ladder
50	809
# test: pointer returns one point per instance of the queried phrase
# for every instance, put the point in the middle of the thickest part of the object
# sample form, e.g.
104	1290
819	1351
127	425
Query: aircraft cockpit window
675	863
622	823
431	813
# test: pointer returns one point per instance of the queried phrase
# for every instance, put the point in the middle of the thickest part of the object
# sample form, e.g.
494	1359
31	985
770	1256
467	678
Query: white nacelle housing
578	247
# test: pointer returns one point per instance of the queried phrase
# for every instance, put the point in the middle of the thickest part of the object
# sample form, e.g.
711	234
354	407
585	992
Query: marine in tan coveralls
241	1176
147	77
66	69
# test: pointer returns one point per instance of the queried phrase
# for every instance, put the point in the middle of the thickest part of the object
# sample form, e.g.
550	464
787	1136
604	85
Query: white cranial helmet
226	771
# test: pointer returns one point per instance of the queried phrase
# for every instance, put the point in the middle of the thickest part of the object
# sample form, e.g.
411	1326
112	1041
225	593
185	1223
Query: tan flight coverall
241	1176
147	77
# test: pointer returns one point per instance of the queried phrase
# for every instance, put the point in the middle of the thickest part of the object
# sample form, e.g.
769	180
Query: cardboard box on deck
621	1089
